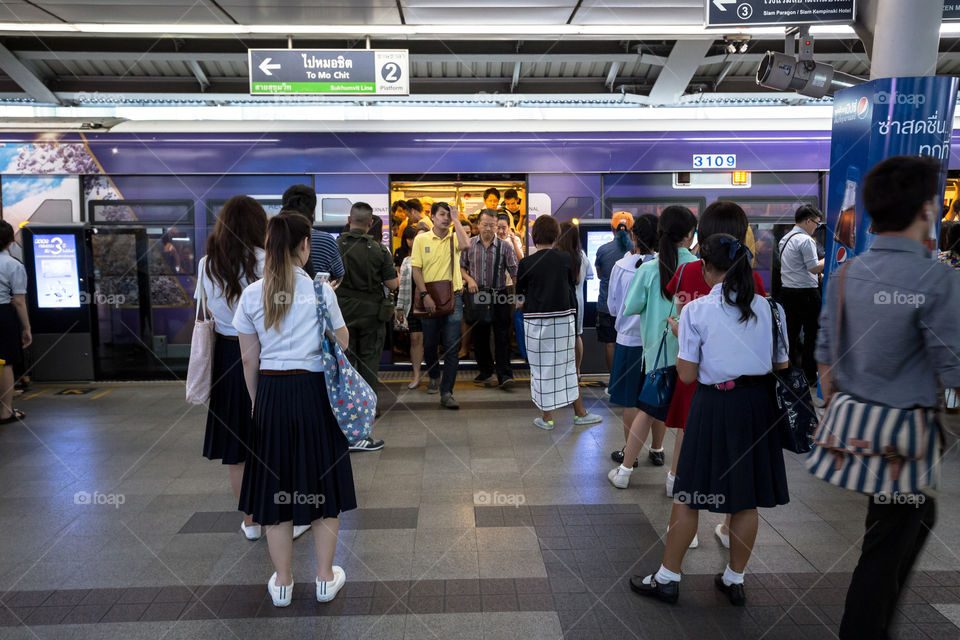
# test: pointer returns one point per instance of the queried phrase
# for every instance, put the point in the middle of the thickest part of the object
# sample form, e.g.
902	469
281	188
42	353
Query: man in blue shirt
324	254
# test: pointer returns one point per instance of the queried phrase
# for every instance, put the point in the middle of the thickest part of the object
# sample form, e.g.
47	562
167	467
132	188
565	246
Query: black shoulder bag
479	305
796	416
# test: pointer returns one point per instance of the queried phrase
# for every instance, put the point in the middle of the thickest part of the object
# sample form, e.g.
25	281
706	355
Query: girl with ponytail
647	298
732	461
298	473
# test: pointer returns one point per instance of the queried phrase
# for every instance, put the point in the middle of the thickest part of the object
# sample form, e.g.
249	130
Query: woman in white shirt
731	460
299	469
234	259
14	324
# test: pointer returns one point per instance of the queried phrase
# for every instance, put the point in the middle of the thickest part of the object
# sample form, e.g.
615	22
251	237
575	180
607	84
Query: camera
784	72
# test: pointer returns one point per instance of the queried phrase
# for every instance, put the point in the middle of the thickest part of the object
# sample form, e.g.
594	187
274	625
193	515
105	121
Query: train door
770	219
144	268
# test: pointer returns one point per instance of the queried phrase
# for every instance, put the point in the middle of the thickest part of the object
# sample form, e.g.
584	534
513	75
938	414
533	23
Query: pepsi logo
841	255
862	105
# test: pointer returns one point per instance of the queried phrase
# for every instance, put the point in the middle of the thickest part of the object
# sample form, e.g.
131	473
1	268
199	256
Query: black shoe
668	592
734	591
617	456
656	458
506	383
484	379
367	444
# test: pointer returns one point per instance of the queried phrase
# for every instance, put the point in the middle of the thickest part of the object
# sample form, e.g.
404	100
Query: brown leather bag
441	291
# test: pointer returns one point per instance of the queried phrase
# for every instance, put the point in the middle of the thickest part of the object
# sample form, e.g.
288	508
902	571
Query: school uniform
229	431
299	467
13	282
627	372
731	458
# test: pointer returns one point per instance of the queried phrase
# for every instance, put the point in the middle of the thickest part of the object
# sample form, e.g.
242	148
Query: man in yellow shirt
431	261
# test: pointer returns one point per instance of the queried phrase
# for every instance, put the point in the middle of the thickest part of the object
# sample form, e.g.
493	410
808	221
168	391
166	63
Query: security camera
785	72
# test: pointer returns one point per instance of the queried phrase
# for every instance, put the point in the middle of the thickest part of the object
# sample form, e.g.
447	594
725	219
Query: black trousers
502	319
895	534
802	307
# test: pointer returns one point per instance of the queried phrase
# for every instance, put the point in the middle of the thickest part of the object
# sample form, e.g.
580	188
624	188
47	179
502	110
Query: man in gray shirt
800	295
899	335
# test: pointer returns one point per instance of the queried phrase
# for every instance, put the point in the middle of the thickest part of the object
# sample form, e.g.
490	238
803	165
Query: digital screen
595	240
55	265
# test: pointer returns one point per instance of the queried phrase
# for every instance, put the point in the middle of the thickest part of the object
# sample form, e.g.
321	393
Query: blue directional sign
753	13
329	71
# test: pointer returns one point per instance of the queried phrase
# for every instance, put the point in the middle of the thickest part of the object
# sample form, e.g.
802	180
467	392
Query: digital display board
595	239
55	265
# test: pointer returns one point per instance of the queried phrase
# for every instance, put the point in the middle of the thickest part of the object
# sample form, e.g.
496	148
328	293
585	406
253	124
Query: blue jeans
443	330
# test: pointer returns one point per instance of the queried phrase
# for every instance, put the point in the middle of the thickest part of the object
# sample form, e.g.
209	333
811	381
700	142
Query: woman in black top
545	288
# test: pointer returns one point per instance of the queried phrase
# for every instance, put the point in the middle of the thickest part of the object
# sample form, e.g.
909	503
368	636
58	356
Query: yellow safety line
34	395
101	394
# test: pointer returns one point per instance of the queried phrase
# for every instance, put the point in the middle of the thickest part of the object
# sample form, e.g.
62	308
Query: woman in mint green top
648	297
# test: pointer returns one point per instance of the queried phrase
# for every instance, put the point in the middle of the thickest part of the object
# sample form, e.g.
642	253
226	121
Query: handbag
200	366
658	385
798	418
871	448
352	400
441	291
519	333
478	307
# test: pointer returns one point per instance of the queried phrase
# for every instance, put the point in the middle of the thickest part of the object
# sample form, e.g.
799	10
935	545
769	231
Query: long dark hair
716	251
676	223
240	229
569	242
723	216
409	233
285	232
6	234
645	235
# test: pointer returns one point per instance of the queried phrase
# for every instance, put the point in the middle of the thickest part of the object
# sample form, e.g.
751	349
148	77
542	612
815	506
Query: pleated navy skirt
299	468
10	340
229	434
731	459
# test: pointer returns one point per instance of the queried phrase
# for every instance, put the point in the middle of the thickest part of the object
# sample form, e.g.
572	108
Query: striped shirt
325	255
478	261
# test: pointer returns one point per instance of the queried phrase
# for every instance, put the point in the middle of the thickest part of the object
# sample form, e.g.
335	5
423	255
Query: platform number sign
328	71
714	161
390	72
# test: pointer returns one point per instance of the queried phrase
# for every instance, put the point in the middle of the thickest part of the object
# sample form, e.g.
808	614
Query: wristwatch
423	294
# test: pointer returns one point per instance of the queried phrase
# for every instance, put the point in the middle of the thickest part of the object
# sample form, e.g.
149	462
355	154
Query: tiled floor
472	524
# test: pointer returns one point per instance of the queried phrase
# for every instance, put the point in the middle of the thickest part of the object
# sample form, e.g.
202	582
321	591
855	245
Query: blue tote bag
353	402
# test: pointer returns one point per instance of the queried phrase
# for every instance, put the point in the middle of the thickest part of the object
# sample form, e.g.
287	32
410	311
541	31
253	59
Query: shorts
605	329
414	323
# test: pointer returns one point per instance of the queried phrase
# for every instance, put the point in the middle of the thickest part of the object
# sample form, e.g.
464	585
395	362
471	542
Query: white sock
660	450
627	470
664	575
670	477
731	577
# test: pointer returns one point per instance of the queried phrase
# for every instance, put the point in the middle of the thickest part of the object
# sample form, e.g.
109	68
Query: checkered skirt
550	340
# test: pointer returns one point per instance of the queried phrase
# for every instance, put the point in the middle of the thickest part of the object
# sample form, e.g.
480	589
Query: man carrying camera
483	266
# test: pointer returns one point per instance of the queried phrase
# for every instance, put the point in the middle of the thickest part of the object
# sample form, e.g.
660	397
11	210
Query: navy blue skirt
626	375
299	468
10	340
731	458
229	434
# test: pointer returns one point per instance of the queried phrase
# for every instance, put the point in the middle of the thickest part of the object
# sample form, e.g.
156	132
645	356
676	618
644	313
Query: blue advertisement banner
873	121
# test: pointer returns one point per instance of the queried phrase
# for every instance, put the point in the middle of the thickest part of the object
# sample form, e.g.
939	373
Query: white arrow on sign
719	4
265	66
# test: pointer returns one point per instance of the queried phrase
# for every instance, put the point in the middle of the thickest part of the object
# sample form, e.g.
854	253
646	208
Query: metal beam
612	74
682	63
25	78
199	74
516	76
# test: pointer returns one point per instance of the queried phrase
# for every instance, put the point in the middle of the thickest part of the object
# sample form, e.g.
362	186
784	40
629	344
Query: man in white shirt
800	294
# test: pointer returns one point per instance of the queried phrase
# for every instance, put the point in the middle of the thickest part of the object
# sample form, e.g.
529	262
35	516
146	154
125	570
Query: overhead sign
951	10
383	72
752	13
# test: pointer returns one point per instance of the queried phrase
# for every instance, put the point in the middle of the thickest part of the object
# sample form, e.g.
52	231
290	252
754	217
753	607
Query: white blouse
295	344
217	304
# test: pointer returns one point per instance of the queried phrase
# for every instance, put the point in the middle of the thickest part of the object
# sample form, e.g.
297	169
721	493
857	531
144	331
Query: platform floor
472	524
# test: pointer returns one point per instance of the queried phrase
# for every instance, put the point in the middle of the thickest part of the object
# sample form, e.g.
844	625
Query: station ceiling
108	51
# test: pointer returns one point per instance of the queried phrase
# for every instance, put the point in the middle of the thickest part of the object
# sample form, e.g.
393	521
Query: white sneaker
253	532
619	477
281	595
299	530
724	537
327	590
546	425
590	418
670	480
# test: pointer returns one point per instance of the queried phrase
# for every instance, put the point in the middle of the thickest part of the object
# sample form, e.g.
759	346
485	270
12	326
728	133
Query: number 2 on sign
714	161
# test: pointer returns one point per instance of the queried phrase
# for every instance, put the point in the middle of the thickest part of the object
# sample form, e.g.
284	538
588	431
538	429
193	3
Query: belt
220	336
742	382
283	372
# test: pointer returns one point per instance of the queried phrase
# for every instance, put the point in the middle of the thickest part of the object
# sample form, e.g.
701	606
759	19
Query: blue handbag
658	384
518	330
353	402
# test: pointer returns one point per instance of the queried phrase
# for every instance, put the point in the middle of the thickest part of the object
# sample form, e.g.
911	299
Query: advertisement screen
595	240
55	263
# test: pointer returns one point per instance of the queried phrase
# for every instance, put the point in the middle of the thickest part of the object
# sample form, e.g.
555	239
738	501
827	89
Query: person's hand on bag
429	304
674	325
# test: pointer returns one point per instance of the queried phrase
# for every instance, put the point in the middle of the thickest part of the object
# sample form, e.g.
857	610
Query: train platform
471	524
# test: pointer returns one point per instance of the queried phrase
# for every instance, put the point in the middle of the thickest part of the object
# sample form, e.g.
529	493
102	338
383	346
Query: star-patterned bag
353	402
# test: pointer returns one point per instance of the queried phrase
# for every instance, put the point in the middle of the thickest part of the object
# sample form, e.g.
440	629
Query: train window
335	209
574	207
640	206
271	204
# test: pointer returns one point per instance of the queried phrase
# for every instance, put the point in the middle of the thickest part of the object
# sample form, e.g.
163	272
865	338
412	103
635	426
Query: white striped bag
875	449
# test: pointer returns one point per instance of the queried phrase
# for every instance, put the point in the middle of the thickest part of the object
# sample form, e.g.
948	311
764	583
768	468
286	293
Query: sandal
13	417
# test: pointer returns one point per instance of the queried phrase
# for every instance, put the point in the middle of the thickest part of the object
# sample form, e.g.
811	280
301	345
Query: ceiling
94	52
